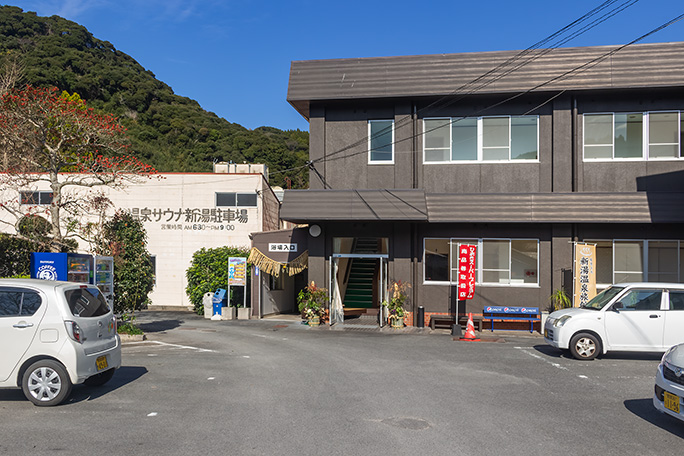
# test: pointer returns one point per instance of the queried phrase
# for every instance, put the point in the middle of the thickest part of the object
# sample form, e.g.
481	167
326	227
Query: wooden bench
447	321
506	313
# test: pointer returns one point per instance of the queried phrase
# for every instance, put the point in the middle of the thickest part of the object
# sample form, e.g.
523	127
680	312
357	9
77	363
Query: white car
638	317
669	383
54	335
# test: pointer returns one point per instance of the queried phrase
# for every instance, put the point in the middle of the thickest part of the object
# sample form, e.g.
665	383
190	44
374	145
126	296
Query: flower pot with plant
312	300
396	298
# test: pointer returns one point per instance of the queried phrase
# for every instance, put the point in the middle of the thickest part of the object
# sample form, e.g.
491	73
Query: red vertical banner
467	255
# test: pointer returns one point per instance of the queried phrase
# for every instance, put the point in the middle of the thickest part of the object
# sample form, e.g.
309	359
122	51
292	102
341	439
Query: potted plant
559	300
312	300
396	297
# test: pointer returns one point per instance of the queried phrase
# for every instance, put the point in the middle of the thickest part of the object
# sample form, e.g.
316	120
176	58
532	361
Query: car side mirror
617	306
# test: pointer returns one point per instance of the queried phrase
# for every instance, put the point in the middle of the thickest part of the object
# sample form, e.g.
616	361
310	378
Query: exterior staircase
359	294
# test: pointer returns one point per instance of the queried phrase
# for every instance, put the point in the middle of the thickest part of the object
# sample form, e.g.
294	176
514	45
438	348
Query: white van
643	317
54	335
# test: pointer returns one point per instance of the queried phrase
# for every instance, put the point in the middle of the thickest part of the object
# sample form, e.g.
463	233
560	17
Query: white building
185	212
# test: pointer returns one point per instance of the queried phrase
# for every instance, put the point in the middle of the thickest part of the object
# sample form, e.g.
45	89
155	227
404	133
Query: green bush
125	239
208	271
15	255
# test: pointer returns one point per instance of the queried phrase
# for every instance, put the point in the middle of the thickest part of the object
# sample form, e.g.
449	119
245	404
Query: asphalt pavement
277	387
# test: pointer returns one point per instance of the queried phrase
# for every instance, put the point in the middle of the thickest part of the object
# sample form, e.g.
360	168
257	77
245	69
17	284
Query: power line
578	69
448	98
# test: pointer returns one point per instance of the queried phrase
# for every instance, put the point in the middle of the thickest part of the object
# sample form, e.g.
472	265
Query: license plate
101	363
671	402
546	333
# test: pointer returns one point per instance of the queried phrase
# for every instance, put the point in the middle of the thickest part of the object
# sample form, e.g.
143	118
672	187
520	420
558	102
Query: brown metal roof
365	205
637	207
639	65
416	206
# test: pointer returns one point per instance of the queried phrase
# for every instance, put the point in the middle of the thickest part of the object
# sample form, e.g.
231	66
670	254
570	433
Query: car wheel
100	379
46	382
585	346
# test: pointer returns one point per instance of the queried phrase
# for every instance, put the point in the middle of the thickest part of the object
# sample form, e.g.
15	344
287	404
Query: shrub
208	271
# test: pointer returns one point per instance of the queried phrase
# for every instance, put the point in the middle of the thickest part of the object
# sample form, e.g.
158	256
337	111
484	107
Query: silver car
669	383
54	335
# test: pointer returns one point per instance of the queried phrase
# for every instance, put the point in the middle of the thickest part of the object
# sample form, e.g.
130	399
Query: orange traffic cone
470	330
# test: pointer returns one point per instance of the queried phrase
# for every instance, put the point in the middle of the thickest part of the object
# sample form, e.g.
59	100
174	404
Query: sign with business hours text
237	271
466	271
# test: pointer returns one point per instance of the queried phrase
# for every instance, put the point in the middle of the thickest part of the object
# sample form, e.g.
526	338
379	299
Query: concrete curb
132	337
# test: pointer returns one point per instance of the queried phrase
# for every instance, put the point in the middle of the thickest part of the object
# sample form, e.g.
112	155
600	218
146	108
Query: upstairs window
232	199
43	198
482	139
633	136
381	141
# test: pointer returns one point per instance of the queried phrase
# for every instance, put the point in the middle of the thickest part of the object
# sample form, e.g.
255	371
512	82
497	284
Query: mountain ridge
168	131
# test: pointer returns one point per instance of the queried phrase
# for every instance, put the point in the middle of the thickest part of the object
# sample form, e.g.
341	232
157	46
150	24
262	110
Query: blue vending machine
72	267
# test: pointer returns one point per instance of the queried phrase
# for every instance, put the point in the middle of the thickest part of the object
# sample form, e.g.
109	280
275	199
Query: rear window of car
86	302
18	301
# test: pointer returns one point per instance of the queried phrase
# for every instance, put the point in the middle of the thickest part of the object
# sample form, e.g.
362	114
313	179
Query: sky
233	56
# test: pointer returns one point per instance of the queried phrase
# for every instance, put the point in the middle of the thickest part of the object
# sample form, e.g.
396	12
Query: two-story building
519	154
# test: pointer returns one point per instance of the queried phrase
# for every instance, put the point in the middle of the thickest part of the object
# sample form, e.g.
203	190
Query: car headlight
561	321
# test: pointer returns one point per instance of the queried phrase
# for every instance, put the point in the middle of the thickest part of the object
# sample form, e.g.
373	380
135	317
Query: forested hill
169	132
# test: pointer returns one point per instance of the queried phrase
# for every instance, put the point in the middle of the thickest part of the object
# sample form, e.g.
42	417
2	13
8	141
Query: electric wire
578	69
448	100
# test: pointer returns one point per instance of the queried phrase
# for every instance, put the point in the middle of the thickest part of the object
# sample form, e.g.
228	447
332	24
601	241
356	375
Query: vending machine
104	277
71	267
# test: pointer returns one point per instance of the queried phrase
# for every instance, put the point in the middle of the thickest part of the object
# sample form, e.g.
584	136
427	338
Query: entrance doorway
358	281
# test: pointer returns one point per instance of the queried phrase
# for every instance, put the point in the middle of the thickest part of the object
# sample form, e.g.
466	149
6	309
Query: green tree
55	140
125	239
208	272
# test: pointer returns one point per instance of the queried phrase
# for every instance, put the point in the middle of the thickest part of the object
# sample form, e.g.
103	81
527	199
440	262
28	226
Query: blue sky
233	57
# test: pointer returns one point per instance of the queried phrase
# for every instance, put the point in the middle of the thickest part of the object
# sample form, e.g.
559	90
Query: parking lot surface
271	387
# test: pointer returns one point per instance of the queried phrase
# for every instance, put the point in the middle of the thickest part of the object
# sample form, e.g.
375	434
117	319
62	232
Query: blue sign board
49	266
509	309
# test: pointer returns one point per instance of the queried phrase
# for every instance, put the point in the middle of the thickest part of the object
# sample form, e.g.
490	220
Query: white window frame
370	151
646	143
480	272
645	273
480	138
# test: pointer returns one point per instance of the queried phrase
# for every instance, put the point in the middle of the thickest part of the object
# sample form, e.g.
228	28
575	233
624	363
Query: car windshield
600	300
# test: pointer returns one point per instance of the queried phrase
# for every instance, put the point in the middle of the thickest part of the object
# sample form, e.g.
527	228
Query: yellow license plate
546	333
101	363
671	402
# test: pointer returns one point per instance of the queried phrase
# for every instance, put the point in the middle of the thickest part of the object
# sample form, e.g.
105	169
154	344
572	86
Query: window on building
638	261
231	199
36	197
635	136
381	141
513	262
504	138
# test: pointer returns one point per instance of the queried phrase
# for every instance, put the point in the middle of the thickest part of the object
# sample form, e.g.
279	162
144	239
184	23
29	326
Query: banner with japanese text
237	271
467	255
585	273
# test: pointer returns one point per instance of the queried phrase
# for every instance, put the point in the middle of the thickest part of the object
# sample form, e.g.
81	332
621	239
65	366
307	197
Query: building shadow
665	195
160	325
643	408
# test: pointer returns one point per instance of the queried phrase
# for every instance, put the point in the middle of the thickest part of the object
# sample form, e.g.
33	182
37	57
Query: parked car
639	317
54	335
669	383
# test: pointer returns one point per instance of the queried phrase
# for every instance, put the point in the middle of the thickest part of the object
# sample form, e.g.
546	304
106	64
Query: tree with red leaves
54	140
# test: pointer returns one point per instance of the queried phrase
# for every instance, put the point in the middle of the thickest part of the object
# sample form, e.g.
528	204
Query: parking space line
534	355
166	344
